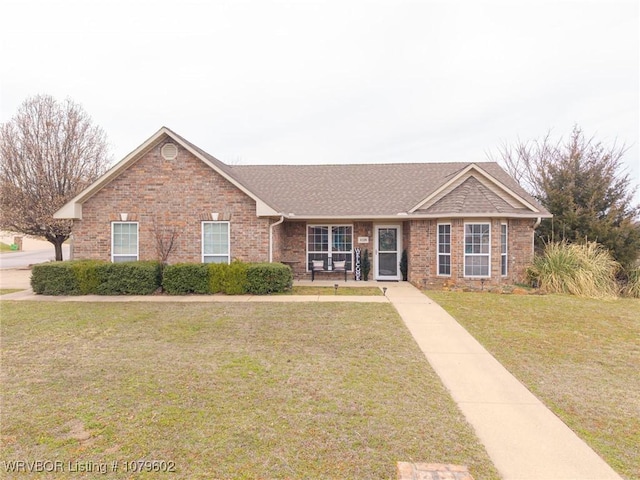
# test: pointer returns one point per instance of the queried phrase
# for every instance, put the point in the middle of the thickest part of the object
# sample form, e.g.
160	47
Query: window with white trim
124	241
215	242
330	243
444	249
477	242
503	249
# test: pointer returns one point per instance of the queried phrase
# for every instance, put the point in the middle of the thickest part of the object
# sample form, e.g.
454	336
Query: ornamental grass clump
632	288
584	270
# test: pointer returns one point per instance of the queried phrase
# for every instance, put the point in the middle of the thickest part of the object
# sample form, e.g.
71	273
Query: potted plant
404	265
366	265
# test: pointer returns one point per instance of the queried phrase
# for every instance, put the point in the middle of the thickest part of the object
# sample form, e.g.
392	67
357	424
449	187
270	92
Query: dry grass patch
251	390
581	357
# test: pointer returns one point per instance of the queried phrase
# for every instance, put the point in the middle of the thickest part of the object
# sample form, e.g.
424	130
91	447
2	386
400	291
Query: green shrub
86	273
632	287
586	270
184	278
55	278
265	278
217	275
230	279
235	282
129	278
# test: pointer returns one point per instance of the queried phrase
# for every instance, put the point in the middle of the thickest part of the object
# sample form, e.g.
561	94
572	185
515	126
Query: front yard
580	357
250	390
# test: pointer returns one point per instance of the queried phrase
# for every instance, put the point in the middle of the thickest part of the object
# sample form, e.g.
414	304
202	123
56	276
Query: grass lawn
4	291
4	248
251	390
581	357
309	290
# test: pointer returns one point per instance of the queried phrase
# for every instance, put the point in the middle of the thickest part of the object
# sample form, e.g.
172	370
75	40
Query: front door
388	250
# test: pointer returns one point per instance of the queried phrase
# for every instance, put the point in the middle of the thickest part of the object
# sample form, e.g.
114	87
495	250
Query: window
444	249
124	241
503	249
477	240
330	243
215	242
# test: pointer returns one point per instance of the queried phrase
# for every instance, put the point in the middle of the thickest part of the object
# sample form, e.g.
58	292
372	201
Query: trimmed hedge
82	277
184	278
57	278
129	278
229	279
265	278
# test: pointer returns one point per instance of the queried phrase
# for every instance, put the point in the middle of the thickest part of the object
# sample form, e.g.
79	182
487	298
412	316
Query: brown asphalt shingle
365	189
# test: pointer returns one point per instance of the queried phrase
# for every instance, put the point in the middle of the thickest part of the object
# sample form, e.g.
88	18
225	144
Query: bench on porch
317	266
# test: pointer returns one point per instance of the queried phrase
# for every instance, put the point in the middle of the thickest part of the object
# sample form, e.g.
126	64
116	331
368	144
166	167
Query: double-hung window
503	249
124	241
444	249
330	243
477	242
215	242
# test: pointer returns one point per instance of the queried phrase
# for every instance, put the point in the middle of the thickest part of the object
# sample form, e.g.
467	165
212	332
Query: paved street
33	251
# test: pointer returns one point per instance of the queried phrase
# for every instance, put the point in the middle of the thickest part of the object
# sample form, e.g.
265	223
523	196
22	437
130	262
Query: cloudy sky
259	81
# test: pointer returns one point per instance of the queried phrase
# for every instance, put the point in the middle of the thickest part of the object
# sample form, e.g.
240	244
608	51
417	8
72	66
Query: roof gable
73	208
471	196
491	193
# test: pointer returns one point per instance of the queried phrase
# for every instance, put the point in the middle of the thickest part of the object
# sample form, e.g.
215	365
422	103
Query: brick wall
294	244
421	242
164	195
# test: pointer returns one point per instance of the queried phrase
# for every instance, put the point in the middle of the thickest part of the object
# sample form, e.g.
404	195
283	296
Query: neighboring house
462	222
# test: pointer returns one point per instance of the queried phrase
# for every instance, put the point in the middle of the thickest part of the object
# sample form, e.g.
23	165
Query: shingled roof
355	190
375	190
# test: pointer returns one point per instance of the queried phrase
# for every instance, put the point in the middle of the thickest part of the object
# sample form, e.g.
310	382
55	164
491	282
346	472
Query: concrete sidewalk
524	439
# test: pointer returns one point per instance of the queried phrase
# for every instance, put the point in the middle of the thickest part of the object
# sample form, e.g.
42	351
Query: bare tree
166	238
49	152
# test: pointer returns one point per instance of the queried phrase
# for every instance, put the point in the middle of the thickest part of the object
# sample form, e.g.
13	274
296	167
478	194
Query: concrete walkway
524	439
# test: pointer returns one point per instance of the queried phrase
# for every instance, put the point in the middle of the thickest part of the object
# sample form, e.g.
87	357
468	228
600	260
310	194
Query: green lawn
341	290
251	390
4	291
581	357
5	247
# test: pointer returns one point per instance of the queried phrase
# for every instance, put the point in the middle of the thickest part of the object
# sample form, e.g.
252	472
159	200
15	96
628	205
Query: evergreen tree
583	184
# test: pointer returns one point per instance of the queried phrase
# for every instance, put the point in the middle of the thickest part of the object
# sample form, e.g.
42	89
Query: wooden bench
318	267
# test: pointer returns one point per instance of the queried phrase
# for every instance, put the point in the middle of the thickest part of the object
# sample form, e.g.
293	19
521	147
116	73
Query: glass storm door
388	248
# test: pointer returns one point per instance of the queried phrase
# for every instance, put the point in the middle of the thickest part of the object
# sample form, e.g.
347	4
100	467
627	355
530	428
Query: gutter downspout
271	237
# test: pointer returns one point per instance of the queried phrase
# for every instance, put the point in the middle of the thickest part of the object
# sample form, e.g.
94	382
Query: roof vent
169	151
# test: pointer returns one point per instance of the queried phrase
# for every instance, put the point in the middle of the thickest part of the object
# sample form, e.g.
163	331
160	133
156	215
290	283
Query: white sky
259	81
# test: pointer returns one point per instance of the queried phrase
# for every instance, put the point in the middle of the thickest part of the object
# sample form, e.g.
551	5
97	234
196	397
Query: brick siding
164	195
422	244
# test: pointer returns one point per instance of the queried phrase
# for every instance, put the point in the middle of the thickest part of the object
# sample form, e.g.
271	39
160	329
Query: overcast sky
262	82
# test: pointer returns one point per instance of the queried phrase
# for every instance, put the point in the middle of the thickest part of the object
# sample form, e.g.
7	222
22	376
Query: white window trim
443	254
115	255
465	254
228	254
504	254
330	252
